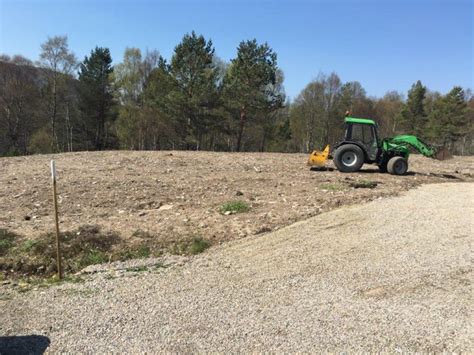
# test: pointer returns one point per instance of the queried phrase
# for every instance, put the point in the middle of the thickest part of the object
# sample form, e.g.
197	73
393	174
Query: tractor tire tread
391	166
338	158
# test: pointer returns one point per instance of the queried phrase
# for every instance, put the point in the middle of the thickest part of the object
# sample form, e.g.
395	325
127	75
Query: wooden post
56	219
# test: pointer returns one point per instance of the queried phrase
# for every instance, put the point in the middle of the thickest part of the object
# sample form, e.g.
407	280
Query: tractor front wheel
348	158
397	166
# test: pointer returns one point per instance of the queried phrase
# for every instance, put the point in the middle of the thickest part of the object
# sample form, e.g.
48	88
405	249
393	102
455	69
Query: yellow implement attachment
318	158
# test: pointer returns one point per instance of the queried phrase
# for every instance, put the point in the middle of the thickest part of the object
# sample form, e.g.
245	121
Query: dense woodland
196	101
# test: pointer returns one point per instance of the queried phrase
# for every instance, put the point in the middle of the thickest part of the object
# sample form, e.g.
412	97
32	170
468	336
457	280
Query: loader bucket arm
420	146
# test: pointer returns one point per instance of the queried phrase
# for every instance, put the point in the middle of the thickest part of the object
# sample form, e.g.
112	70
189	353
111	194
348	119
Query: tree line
443	120
196	101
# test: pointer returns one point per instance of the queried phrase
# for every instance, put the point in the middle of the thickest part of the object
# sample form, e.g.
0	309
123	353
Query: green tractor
361	145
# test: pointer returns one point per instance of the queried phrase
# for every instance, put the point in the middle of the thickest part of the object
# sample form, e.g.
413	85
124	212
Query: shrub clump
7	240
364	184
234	207
333	187
140	252
80	248
87	245
190	247
198	245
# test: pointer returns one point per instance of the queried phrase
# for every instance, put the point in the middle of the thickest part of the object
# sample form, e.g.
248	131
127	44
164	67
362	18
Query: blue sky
386	45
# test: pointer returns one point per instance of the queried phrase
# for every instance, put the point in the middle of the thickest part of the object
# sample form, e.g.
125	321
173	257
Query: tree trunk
70	136
211	142
100	129
199	142
241	128
310	125
327	129
54	142
68	129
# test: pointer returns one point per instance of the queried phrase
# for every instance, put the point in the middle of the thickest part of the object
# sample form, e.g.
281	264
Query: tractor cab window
365	134
362	133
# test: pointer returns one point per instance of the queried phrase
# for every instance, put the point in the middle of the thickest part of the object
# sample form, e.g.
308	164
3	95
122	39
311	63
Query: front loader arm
415	143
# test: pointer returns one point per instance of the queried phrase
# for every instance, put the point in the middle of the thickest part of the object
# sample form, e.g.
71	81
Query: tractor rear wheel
348	158
397	166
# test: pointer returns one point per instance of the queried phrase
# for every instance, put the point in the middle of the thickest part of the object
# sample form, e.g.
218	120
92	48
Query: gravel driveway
392	275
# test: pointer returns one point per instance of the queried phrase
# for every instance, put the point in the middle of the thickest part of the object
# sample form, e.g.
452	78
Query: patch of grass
36	257
158	265
45	282
7	239
88	238
31	245
364	184
140	252
198	245
27	284
190	247
137	269
43	245
87	245
332	187
53	280
73	279
92	257
142	234
235	207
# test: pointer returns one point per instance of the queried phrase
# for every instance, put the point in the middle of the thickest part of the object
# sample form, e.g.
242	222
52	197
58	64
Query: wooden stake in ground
56	219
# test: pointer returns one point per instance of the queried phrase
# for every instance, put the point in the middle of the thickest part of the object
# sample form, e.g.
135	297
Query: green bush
364	184
198	245
190	247
92	257
6	241
140	252
235	207
332	187
80	248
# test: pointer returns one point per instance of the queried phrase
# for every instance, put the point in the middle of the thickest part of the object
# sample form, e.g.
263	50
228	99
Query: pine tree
448	120
96	96
196	92
413	116
249	85
164	127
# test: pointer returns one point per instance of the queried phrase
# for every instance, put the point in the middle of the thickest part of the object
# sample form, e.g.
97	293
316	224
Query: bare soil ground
172	196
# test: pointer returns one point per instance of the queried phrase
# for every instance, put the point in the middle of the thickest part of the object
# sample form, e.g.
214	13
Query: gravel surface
391	275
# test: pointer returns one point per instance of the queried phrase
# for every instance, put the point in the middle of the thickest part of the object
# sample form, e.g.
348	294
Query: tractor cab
362	132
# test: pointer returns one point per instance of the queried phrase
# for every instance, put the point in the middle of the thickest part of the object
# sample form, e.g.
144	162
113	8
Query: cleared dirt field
171	196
